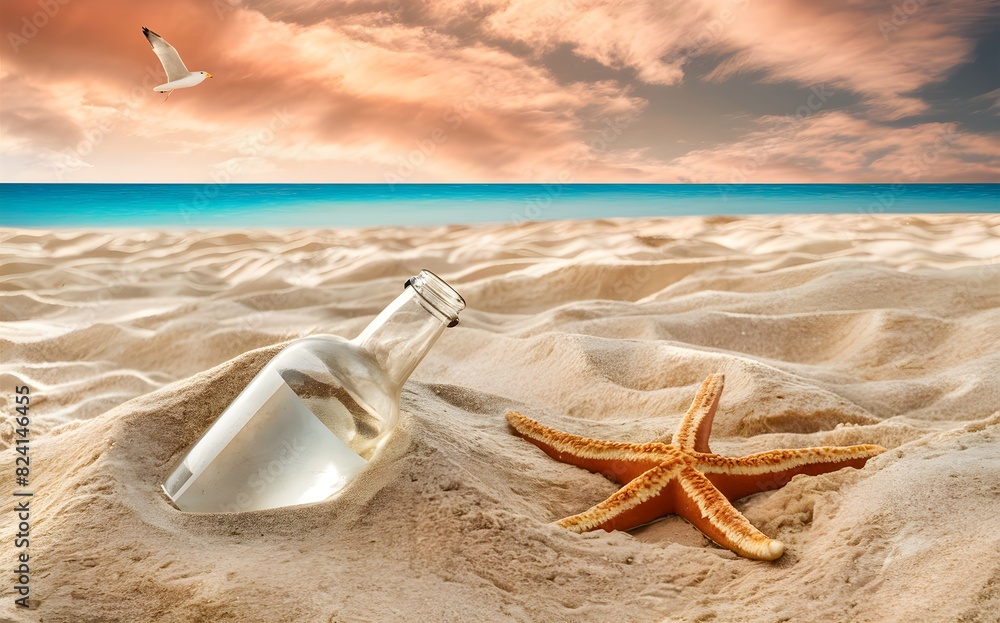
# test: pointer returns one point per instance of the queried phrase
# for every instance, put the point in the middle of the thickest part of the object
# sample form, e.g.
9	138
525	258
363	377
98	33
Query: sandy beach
831	330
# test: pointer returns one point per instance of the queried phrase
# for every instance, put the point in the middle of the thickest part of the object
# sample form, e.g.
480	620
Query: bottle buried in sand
311	420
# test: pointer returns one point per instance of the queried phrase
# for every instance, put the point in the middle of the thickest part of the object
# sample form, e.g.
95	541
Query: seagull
178	76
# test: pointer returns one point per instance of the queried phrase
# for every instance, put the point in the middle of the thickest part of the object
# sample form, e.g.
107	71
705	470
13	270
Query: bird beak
209	75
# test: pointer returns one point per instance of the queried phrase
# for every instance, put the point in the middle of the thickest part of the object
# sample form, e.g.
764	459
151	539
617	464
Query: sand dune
830	329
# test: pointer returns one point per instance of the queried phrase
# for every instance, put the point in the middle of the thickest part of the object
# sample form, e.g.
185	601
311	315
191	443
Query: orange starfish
684	477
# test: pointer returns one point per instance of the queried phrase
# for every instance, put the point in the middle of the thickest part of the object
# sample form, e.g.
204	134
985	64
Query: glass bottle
317	413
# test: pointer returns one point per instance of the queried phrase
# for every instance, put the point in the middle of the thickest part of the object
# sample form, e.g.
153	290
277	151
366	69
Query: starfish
684	477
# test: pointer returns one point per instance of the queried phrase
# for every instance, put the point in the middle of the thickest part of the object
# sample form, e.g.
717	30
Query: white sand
830	330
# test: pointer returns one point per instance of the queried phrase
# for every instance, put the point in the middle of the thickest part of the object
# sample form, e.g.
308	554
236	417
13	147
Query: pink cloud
865	47
834	147
439	91
881	51
404	103
648	37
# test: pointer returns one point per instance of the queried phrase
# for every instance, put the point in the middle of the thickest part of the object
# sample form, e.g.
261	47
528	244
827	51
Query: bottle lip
441	296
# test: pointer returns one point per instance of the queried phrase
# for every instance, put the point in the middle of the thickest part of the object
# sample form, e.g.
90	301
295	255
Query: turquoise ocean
358	205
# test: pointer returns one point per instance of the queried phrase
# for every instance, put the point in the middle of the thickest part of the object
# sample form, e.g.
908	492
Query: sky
567	91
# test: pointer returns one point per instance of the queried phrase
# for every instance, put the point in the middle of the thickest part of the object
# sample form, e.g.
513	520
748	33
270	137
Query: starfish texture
684	477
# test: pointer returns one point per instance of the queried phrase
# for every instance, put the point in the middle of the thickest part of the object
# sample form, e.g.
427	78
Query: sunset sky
708	91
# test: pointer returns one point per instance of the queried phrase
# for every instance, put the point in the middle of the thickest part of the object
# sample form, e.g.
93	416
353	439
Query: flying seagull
178	76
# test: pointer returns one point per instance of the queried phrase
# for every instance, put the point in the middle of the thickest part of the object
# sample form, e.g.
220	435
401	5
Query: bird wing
168	56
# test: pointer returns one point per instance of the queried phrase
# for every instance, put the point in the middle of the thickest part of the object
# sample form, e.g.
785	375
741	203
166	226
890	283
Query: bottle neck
401	335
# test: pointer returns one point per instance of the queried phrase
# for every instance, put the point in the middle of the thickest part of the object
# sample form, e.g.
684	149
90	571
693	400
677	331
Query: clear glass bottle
314	416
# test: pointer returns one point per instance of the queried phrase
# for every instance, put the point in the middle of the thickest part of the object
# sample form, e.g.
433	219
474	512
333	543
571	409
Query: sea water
277	453
354	205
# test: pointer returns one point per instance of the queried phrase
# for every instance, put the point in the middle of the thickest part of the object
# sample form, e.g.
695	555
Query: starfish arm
740	477
616	460
707	509
646	498
696	426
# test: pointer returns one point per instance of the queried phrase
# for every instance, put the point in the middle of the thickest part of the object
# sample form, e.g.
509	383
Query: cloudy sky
708	91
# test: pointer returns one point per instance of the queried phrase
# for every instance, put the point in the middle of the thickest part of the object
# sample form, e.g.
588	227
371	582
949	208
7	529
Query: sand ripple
830	330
